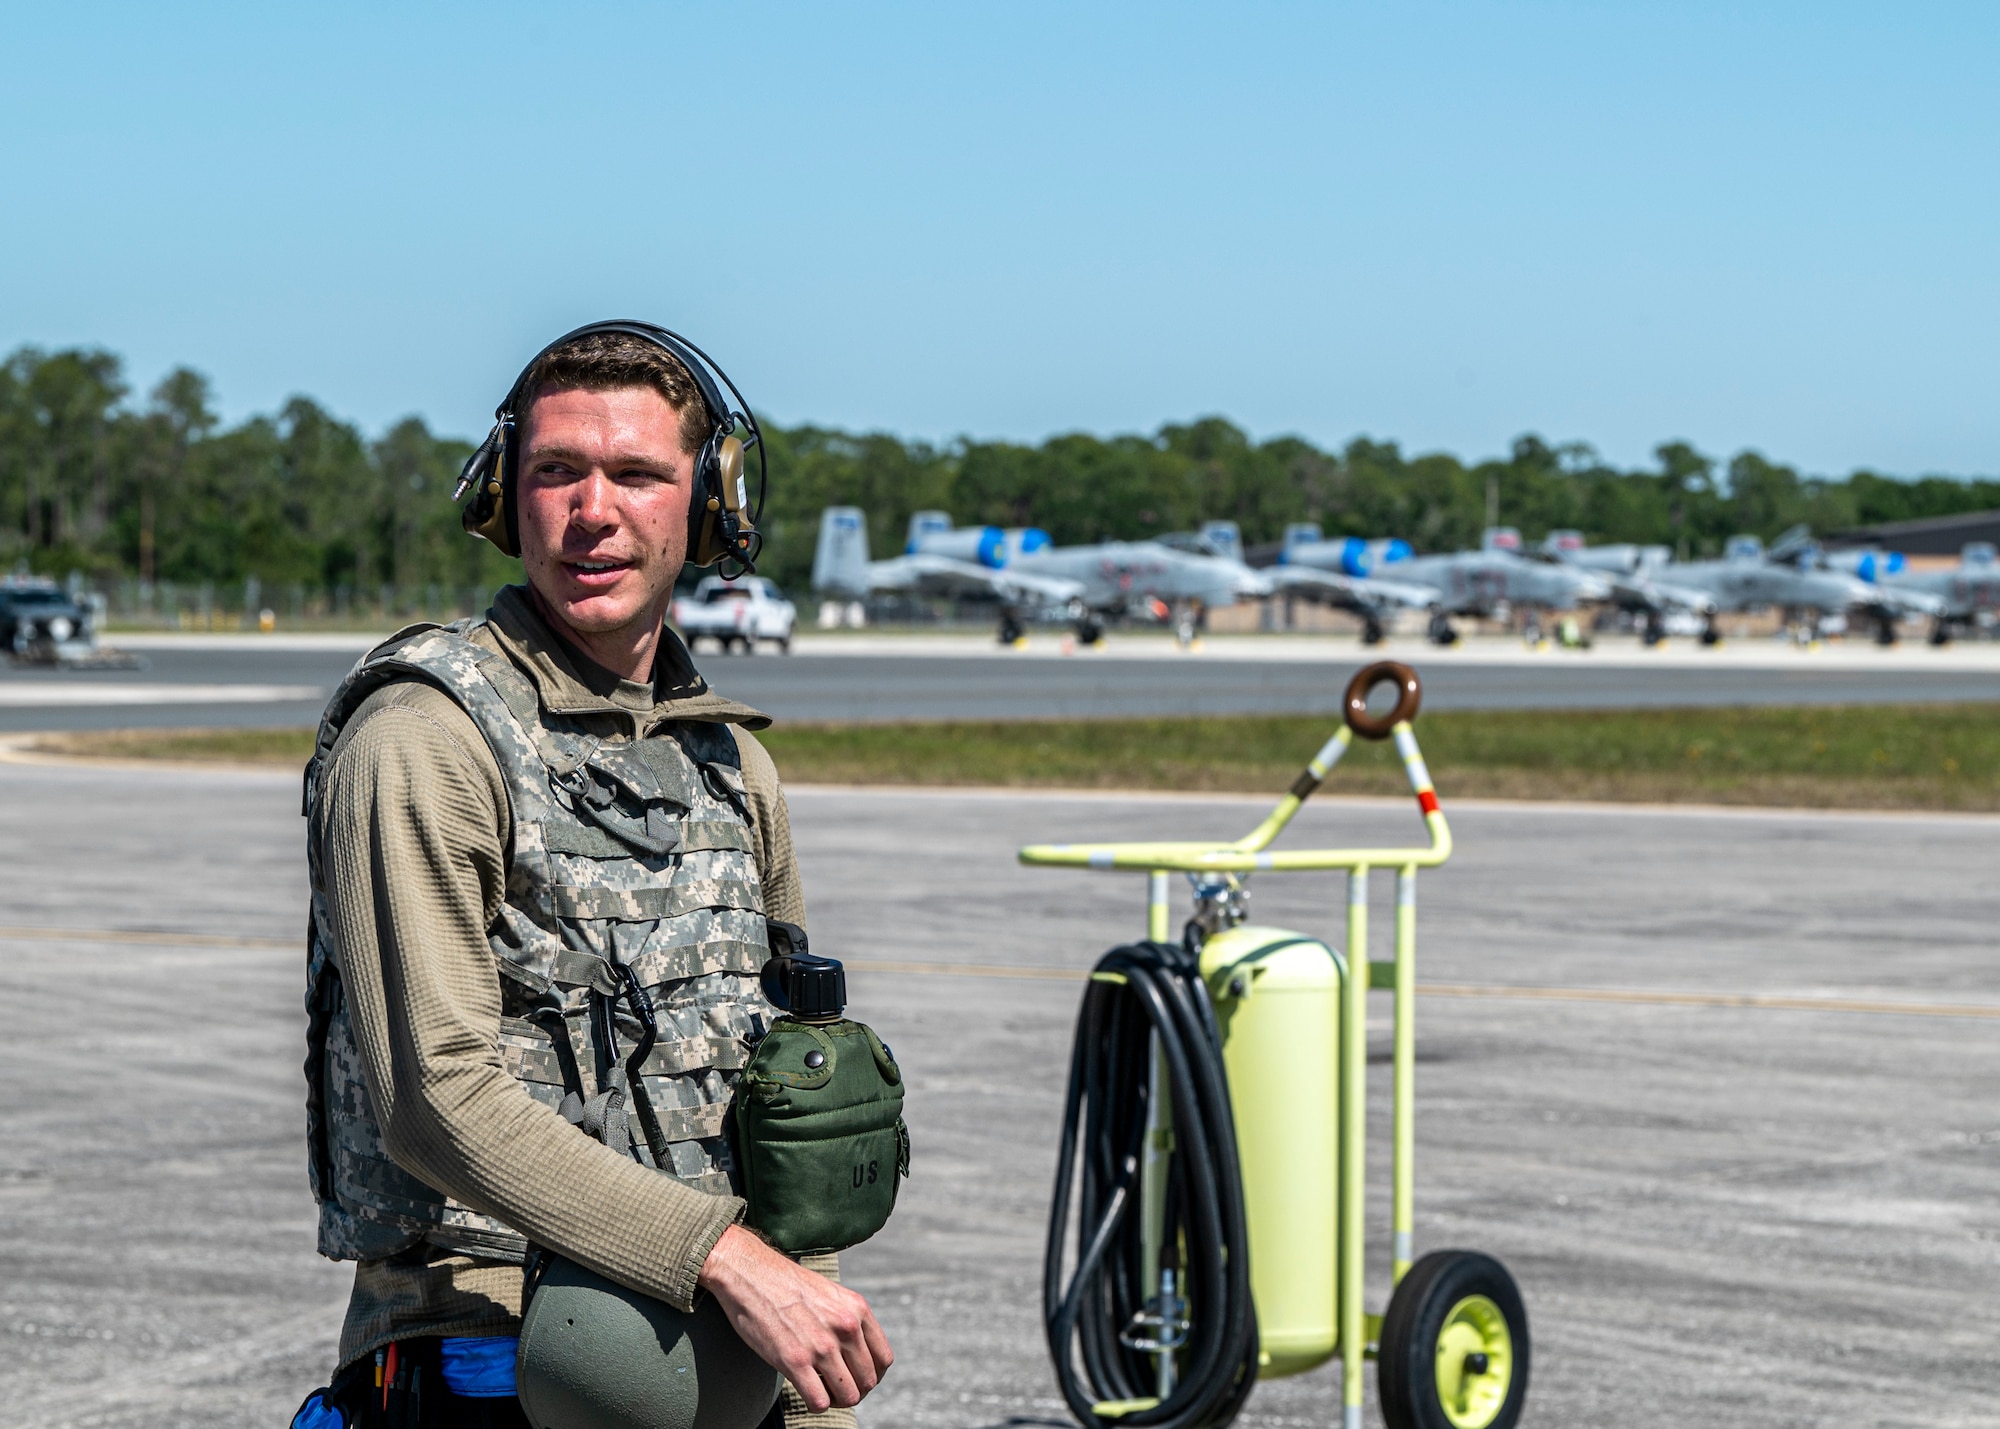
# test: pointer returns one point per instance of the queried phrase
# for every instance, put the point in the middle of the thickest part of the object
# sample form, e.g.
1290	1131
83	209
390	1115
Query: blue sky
1768	226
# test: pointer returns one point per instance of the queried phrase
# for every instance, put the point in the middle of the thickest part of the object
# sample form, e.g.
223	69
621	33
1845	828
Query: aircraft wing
1902	600
1665	595
1370	595
946	577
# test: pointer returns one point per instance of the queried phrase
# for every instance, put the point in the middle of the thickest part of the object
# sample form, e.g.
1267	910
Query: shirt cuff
683	1285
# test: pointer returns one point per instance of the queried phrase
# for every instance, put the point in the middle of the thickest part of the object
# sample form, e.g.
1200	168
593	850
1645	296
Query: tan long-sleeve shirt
412	836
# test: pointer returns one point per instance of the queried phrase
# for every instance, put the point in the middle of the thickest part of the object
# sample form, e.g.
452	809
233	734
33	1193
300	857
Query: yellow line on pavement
1638	997
1713	999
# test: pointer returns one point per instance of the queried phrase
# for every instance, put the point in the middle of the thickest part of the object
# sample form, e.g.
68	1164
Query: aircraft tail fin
840	561
1226	537
1794	544
924	524
1563	545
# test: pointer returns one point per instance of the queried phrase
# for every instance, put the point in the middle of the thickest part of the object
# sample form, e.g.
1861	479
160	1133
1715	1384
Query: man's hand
819	1335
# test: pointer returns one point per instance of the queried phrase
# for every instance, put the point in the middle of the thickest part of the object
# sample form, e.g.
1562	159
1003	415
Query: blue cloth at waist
481	1368
316	1413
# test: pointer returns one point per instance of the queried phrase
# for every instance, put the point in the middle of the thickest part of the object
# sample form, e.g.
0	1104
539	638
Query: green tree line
98	479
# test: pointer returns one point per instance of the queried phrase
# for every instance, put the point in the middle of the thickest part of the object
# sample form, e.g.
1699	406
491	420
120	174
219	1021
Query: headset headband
691	357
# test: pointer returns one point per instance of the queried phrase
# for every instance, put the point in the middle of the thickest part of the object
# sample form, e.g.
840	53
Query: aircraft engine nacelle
1025	541
1350	555
981	545
1870	566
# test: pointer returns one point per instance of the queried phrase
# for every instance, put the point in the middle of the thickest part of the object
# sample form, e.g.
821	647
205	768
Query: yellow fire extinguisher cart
1289	1015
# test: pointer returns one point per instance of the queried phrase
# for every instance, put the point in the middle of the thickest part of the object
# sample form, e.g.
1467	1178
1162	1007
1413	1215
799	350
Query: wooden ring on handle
1409	694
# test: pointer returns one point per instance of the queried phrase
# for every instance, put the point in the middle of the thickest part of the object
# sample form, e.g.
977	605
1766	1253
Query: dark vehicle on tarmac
42	624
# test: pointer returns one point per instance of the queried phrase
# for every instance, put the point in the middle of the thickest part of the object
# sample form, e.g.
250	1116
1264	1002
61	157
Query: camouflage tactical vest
629	862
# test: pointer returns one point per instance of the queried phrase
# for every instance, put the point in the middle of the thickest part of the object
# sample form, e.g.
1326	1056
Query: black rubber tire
1010	630
1406	1372
1089	632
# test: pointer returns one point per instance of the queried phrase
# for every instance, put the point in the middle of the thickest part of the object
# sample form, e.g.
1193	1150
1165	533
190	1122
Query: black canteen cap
799	982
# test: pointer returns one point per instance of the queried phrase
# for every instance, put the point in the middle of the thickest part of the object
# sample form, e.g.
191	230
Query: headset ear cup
704	547
489	513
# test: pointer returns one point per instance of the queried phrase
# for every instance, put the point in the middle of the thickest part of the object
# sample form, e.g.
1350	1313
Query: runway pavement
279	681
1756	1215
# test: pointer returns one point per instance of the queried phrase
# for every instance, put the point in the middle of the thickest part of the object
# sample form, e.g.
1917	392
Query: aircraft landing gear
1940	631
1710	635
1088	632
1654	630
1371	630
1010	628
1885	630
1190	620
1440	631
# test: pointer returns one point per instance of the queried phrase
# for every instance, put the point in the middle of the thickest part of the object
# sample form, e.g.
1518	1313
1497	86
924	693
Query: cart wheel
1454	1349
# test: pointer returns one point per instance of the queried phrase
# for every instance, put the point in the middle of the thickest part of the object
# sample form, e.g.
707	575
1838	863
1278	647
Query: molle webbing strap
711	835
693	1123
575	968
684	1054
720	955
584	841
649	905
550	1023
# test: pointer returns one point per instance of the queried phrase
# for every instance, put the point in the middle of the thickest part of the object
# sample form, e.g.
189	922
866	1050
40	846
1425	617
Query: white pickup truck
736	613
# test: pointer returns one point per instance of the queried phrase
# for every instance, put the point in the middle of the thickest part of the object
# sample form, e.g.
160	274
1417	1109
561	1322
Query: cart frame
1358	1330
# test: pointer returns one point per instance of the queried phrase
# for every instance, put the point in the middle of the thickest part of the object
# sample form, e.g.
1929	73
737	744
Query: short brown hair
608	361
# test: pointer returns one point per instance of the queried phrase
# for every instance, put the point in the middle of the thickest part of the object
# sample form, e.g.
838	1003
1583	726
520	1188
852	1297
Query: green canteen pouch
820	1135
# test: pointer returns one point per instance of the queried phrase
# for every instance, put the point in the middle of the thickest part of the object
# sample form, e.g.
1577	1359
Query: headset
722	520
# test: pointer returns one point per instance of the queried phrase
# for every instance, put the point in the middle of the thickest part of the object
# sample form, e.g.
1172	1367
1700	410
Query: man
510	819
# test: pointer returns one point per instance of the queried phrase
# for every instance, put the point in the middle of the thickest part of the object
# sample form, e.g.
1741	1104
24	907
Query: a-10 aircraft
1178	576
1376	578
1791	576
1967	597
1032	579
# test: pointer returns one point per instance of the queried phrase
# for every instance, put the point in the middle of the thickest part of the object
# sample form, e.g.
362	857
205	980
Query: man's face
603	500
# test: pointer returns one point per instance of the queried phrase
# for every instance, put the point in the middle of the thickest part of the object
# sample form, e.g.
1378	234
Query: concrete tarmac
194	682
1761	1214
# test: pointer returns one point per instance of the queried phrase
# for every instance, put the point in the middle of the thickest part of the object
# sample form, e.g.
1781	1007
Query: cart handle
1249	853
1409	694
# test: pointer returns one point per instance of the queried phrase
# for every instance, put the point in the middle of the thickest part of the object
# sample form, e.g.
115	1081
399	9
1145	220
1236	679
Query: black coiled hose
1205	1242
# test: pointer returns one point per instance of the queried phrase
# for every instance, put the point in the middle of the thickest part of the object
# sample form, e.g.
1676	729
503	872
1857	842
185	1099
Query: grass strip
1931	756
213	746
